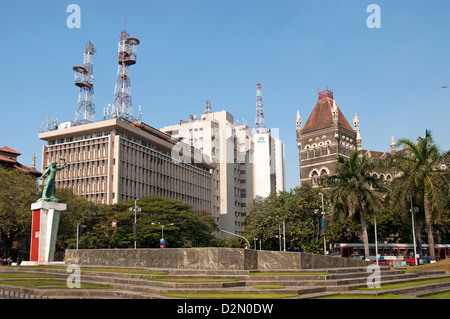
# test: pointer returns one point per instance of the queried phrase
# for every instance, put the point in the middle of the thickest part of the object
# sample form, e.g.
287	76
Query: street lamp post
414	210
279	234
376	240
323	228
228	232
78	233
136	209
162	230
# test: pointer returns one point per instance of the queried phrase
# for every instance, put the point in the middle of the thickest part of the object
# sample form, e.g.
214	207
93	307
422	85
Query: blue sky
197	50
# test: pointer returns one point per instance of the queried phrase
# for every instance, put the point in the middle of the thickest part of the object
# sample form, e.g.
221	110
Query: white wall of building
228	145
268	165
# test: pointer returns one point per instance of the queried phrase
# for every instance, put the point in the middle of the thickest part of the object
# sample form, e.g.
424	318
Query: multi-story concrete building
112	160
268	165
248	165
229	147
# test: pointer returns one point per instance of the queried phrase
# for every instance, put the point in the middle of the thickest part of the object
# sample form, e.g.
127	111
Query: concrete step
354	269
285	277
289	283
385	277
347	275
131	285
208	272
429	290
404	291
391	280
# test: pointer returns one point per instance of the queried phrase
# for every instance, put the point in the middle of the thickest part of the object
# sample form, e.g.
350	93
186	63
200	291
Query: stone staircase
308	284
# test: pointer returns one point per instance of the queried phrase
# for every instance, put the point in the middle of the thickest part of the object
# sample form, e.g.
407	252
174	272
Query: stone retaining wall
206	258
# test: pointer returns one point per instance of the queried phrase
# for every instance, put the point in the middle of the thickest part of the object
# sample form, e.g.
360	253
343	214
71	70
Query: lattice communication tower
122	106
208	107
84	79
260	126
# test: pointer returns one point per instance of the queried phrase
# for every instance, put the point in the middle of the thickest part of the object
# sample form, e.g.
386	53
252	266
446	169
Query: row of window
79	138
315	176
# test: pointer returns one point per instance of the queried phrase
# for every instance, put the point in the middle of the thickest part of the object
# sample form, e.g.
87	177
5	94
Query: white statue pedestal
44	228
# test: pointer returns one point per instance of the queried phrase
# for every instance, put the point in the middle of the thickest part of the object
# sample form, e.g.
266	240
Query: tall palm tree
420	173
353	190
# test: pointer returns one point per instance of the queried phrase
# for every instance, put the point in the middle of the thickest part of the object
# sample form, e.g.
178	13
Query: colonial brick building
8	160
327	135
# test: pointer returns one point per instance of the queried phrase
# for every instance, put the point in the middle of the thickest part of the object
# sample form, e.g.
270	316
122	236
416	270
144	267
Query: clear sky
197	50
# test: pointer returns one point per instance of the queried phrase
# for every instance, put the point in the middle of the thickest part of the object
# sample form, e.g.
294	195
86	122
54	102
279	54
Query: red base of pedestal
35	232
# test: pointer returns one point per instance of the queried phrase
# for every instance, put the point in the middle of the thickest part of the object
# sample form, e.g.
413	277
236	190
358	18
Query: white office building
268	165
246	165
229	147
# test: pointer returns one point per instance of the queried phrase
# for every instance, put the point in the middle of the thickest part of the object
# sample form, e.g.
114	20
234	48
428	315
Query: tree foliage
300	210
111	226
18	190
422	180
354	194
353	190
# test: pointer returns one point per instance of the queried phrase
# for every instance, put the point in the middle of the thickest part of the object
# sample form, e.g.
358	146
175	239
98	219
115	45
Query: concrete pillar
44	228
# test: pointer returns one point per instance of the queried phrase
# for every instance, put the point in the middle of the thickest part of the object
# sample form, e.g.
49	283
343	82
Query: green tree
265	218
296	209
352	190
421	176
190	227
304	205
18	190
81	213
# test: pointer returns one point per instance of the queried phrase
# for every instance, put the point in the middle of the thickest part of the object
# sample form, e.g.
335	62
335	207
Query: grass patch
229	296
194	280
48	284
261	273
407	284
269	287
443	295
440	265
384	296
25	275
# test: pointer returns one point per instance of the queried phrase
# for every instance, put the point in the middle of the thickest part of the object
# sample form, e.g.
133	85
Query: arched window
315	177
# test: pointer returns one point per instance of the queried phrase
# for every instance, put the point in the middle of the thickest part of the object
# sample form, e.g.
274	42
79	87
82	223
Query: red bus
389	253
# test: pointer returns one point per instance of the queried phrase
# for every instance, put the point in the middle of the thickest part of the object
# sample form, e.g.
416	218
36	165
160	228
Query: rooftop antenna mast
208	107
84	79
260	126
122	106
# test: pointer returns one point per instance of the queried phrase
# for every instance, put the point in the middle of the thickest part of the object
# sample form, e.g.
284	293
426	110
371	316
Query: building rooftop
8	160
321	118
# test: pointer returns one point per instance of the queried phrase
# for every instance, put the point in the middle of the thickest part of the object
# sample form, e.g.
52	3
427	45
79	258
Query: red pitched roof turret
321	117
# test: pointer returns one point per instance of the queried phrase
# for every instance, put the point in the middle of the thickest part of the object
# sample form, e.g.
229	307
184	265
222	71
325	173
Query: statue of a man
48	194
